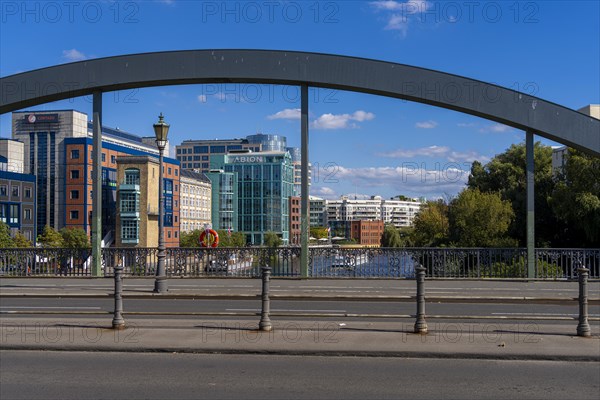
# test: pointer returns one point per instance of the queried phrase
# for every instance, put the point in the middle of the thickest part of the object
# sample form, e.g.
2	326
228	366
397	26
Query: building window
3	190
113	159
74	214
129	230
103	157
74	174
132	176
176	171
169	171
27	193
27	214
14	214
15	191
129	202
74	154
169	234
74	194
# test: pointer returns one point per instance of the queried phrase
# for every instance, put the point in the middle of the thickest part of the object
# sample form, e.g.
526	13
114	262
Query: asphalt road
77	375
371	310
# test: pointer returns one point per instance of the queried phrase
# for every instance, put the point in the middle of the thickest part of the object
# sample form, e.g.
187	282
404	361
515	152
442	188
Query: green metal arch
382	78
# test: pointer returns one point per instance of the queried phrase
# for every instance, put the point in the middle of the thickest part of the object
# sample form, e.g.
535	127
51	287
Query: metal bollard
420	324
583	328
265	321
118	322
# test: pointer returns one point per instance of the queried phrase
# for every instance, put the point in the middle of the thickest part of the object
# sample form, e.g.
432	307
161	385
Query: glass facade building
265	182
224	199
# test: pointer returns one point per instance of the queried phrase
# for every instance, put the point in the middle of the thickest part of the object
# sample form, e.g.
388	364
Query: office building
224	204
264	185
17	191
196	200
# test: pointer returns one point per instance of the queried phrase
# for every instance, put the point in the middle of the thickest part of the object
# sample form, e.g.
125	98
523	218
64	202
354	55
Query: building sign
40	118
247	159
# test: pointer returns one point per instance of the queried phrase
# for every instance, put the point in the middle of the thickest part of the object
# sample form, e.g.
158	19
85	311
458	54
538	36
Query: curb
315	353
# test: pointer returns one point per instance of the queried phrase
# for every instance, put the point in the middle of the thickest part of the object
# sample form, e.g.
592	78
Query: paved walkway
507	340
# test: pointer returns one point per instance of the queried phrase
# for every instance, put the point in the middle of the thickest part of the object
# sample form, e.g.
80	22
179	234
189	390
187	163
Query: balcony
126	187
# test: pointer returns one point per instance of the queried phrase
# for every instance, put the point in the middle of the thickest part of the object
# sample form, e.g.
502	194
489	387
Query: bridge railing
324	262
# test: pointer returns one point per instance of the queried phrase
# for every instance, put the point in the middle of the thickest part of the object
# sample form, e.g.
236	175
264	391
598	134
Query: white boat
349	260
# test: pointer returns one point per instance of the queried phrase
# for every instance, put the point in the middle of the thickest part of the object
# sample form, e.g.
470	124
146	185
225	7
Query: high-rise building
264	185
58	150
224	201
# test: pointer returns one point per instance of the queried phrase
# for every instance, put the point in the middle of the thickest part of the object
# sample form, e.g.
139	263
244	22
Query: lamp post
161	130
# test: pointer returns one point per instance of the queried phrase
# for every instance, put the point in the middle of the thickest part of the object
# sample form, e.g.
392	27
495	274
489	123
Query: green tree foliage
391	237
235	239
576	199
6	241
272	240
50	238
189	239
431	225
505	174
479	219
75	238
319	232
21	241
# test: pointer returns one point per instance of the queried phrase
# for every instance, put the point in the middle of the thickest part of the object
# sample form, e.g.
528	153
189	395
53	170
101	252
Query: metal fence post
118	322
265	321
420	324
583	328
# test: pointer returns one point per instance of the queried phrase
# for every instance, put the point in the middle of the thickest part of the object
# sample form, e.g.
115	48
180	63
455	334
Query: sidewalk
523	341
342	289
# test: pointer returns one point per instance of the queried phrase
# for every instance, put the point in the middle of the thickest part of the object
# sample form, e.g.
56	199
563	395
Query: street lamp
161	130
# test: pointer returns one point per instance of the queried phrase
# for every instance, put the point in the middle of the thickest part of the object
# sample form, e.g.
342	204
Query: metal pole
160	283
118	322
529	150
265	321
304	193
97	186
420	324
583	328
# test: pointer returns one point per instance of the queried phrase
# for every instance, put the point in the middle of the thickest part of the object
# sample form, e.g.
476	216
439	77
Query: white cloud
409	177
426	124
202	98
325	192
73	55
466	124
437	151
341	121
288	113
497	128
400	13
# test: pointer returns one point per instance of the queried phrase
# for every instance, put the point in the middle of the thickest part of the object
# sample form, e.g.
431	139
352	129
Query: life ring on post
209	238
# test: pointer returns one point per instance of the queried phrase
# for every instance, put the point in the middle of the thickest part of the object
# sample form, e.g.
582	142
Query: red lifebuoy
209	238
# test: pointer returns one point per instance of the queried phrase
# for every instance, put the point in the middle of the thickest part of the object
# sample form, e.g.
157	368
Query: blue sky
359	143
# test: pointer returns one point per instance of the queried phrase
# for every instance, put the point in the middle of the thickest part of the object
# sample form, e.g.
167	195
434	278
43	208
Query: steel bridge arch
421	85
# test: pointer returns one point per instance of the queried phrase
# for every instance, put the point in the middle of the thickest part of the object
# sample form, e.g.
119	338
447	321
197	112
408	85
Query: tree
272	240
390	237
21	241
50	238
233	239
75	238
431	225
189	239
6	241
319	232
479	219
576	199
505	174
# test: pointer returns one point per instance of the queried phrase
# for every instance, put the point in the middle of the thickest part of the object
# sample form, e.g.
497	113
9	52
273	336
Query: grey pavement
530	340
343	289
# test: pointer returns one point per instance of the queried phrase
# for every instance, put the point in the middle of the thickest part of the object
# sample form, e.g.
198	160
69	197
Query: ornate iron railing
326	262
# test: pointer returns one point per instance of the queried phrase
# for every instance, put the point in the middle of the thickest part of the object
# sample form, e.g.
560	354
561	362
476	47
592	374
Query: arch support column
304	189
97	185
530	168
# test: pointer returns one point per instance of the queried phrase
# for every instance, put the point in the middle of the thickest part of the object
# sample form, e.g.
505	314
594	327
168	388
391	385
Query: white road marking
284	310
51	308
